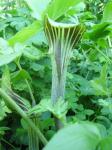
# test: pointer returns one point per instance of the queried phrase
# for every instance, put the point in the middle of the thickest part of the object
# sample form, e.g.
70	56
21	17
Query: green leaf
83	84
107	103
59	109
104	120
77	8
52	8
105	144
6	79
99	31
89	112
100	84
8	54
43	106
26	33
38	7
37	67
3	129
18	80
107	14
5	84
80	136
33	53
21	74
57	8
3	110
18	109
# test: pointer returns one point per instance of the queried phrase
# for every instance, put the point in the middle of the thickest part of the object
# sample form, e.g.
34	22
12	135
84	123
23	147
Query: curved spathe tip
59	24
66	33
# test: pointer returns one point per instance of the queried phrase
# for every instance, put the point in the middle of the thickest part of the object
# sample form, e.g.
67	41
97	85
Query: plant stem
33	137
109	42
61	38
31	93
10	101
58	88
28	85
8	143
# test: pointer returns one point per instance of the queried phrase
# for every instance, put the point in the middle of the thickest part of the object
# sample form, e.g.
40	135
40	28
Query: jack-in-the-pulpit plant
62	39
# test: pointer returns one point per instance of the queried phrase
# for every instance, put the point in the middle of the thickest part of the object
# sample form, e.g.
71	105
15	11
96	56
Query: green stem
61	38
109	42
9	100
33	137
28	86
31	93
58	88
8	143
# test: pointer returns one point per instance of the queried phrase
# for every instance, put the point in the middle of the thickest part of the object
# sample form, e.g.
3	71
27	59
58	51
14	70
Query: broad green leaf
107	14
103	29
37	67
57	8
38	7
105	144
52	8
77	8
8	54
80	136
32	53
99	31
21	74
25	34
18	80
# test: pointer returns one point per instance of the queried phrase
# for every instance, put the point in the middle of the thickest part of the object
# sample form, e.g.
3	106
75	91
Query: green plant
62	38
28	68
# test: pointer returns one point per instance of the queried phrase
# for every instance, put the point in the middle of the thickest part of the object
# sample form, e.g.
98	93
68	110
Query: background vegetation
25	68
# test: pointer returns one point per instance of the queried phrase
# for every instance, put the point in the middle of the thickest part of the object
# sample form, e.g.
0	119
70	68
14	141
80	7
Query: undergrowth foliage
55	75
